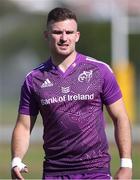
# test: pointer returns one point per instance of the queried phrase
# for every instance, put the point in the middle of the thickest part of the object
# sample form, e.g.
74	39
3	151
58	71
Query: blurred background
110	32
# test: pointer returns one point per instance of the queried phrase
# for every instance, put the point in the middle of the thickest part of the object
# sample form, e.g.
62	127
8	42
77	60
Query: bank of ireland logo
85	76
65	90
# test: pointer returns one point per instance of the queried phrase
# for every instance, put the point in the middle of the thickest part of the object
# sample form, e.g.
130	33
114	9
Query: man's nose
63	36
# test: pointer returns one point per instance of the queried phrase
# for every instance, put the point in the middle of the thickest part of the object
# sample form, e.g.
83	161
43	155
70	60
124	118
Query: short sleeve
110	91
28	102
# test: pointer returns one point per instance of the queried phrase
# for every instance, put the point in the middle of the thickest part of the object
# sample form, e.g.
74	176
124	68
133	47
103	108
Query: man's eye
69	32
57	32
61	32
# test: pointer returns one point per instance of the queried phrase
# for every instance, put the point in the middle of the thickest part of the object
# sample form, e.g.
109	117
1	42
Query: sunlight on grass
35	156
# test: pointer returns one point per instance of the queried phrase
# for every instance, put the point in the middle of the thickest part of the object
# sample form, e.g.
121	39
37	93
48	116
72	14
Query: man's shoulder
38	70
101	65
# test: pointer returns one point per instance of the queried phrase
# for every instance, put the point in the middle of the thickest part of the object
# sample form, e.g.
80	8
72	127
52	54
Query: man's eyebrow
57	31
60	31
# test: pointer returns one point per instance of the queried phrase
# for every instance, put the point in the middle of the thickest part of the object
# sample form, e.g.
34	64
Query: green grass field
34	160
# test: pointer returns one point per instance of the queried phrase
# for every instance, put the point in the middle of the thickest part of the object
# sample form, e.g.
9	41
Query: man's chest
81	84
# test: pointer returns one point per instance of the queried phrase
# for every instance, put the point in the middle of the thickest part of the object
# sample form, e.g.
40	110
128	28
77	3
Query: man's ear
46	34
78	36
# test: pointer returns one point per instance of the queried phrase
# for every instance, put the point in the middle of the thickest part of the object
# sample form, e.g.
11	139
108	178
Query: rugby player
69	90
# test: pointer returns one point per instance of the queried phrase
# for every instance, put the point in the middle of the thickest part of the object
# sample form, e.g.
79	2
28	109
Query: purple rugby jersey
71	105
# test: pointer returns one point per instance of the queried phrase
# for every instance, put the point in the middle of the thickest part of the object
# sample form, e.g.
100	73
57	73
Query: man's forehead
68	24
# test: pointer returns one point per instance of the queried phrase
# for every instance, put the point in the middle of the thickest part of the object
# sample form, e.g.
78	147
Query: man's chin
64	53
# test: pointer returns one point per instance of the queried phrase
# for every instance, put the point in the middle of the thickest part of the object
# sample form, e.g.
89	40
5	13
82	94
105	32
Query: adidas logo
47	83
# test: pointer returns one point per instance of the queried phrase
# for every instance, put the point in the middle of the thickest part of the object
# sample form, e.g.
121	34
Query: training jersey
71	106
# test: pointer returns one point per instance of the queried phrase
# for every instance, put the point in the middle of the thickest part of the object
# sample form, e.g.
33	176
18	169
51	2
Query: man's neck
64	62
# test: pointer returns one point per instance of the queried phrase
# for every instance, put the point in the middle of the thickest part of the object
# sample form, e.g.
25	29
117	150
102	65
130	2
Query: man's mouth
62	45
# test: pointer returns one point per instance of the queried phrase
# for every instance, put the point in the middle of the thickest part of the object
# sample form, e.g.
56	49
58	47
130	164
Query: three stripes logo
47	83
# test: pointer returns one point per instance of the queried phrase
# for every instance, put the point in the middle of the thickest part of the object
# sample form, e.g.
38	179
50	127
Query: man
69	90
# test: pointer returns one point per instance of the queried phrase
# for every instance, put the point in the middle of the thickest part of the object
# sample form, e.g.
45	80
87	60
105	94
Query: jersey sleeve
28	103
110	91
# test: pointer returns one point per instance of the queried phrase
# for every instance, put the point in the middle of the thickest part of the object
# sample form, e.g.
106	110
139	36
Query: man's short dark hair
60	14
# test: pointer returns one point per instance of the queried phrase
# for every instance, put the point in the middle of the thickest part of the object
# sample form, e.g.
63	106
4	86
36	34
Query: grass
135	156
34	159
8	113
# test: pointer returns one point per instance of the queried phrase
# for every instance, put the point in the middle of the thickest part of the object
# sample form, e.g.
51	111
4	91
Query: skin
20	141
122	131
62	38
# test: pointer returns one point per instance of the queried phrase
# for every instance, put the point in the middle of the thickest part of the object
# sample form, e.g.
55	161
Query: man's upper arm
117	110
28	102
26	121
110	89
